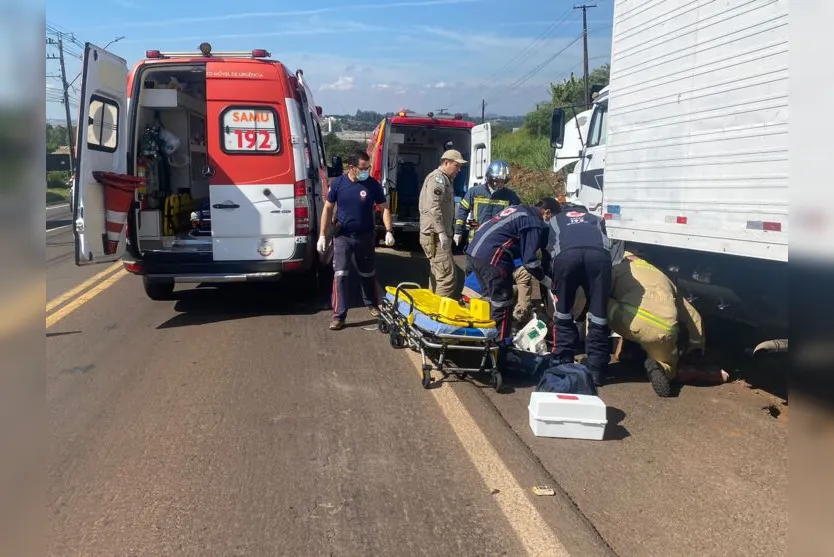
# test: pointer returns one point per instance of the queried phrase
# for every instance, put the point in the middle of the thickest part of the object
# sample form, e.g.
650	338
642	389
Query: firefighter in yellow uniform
645	308
437	215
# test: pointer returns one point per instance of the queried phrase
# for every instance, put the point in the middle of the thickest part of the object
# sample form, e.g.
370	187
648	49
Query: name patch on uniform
574	214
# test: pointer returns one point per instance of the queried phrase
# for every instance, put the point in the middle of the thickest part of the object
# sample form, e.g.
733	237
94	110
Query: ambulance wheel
382	326
396	339
426	380
158	289
496	382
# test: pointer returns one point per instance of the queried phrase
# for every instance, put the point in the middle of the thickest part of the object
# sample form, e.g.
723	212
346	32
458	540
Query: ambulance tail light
153	54
260	53
302	209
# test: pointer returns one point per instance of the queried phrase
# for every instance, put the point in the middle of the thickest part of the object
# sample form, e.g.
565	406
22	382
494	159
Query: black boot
661	383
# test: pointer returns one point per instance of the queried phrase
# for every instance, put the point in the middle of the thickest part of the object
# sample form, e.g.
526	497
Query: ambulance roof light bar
405	112
205	51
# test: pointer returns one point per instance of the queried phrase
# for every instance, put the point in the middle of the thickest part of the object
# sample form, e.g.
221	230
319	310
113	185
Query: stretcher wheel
497	381
382	326
461	375
426	381
396	339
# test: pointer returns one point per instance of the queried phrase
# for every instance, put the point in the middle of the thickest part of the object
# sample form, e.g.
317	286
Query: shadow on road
207	304
614	431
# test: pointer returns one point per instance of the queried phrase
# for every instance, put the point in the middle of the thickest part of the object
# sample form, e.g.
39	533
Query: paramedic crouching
355	195
579	249
514	233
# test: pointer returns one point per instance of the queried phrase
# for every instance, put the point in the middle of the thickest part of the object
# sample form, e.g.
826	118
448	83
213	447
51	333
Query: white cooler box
567	415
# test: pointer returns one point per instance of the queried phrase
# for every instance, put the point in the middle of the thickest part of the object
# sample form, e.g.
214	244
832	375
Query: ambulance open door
480	154
101	145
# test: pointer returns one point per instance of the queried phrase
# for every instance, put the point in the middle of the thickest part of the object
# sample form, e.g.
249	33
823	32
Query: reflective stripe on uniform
648	317
486	235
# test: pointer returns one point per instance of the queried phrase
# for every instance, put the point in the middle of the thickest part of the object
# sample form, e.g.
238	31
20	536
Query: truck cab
582	141
227	153
406	147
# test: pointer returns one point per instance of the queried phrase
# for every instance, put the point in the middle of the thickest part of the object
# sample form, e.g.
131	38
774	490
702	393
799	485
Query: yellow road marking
525	520
69	294
85	297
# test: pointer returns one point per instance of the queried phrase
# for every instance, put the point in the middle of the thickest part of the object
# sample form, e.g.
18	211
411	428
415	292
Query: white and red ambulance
232	159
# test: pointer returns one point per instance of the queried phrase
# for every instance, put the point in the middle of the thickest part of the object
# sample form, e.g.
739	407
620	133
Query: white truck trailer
685	153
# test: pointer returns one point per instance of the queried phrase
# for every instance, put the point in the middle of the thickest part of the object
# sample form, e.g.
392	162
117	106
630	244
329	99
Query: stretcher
417	318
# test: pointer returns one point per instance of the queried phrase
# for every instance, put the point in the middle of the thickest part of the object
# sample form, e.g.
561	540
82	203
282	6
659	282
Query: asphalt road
232	422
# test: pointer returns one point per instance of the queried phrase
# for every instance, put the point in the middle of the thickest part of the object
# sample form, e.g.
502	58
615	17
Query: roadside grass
531	159
57	195
524	150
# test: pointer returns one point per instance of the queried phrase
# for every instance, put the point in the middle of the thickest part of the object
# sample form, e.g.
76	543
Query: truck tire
159	290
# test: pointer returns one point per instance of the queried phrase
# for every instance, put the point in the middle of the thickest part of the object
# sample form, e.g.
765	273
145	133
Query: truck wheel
158	289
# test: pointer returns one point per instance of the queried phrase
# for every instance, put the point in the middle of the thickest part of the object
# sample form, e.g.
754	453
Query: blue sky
372	54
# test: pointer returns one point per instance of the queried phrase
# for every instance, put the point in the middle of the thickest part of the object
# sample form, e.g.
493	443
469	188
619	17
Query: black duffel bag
571	378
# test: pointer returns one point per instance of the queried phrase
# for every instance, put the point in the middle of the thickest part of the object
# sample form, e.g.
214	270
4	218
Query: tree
570	95
334	146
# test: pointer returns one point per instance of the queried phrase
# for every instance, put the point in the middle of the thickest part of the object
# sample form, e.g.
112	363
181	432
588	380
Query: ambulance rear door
256	162
480	154
101	145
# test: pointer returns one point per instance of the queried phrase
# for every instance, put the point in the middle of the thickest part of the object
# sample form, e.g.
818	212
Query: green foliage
56	136
570	95
57	180
334	146
524	149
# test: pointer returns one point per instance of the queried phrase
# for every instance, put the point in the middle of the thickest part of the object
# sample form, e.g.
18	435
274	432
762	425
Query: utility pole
584	8
60	57
483	110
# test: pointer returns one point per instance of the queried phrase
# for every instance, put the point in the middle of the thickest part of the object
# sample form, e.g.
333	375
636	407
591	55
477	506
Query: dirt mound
532	185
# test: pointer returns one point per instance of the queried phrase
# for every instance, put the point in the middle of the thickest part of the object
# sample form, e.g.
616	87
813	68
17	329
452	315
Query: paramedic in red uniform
514	233
580	252
355	195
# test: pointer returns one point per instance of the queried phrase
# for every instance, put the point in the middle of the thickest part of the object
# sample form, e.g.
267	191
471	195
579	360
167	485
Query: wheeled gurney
423	321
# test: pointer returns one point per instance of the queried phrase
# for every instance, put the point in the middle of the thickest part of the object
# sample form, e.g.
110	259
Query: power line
525	78
491	81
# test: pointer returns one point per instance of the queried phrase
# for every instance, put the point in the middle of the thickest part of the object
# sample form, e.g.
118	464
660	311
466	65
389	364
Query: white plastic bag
171	142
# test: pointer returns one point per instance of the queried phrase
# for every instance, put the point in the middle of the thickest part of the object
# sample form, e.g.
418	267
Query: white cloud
344	83
261	15
381	86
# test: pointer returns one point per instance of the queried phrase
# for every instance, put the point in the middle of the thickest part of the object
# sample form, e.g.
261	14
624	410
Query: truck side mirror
337	169
557	128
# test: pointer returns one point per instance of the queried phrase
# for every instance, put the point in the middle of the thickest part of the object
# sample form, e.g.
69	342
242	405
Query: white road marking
524	518
58	228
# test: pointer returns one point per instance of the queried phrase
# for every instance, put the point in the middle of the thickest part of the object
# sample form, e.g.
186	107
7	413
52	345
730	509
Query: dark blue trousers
590	269
357	249
496	283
